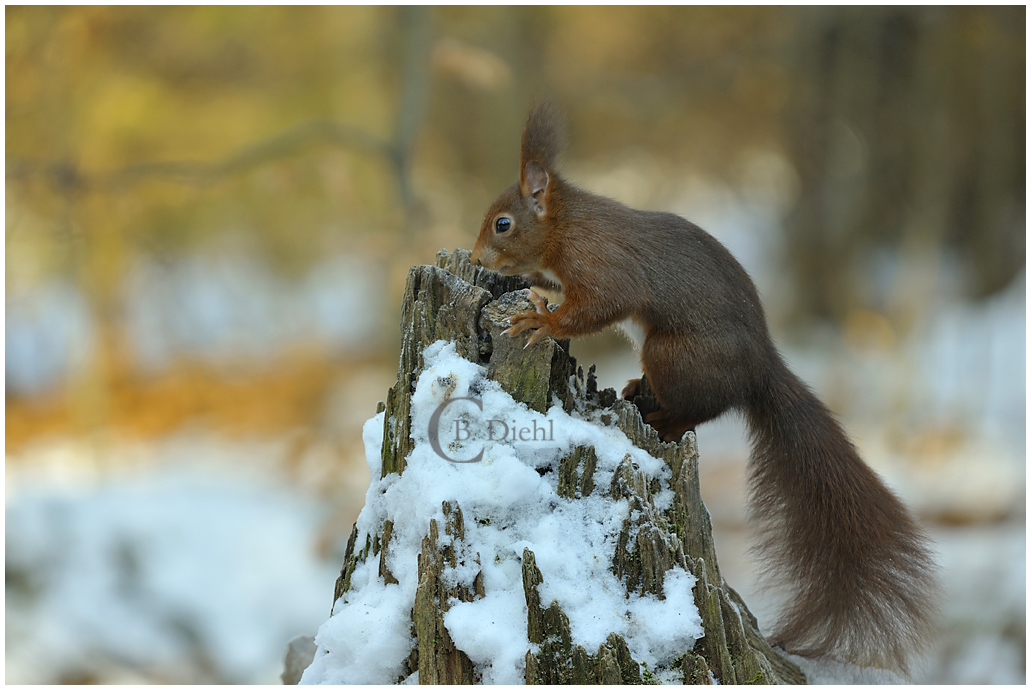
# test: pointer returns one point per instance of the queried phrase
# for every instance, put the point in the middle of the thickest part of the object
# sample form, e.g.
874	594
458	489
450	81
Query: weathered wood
458	302
440	662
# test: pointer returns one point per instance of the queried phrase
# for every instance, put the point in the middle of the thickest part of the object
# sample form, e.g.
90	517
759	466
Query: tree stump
665	527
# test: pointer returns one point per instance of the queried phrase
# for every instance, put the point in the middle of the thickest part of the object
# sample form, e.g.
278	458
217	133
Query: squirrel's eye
503	224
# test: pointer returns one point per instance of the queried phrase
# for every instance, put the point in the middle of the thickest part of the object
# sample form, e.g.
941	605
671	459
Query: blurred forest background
210	213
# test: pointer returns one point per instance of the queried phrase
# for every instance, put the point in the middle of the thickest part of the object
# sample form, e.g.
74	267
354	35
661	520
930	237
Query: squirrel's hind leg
689	388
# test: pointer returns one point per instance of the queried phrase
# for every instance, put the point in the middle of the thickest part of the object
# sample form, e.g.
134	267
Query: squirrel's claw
536	336
522	322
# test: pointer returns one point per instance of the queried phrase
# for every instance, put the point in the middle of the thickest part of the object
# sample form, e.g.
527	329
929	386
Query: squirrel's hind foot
667	426
663	421
632	390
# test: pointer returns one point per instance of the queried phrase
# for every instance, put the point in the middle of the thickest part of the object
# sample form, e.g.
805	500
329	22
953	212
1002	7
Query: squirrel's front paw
531	320
526	321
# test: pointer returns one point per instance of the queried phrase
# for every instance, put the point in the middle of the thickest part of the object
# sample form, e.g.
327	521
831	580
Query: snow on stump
523	526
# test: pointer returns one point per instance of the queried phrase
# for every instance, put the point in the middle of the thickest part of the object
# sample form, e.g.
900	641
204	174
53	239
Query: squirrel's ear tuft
539	148
534	186
543	137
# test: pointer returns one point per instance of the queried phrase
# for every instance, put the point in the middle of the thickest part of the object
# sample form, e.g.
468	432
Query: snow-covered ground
176	575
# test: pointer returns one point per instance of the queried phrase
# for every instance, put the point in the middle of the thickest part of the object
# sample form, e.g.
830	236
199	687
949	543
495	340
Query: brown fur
856	570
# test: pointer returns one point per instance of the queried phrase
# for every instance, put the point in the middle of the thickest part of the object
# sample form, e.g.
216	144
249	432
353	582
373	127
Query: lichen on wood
458	302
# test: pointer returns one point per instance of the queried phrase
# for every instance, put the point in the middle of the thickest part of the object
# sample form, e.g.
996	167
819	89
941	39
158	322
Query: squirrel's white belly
634	332
550	275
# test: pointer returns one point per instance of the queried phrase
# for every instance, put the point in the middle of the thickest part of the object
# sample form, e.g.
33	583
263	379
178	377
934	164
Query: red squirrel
856	569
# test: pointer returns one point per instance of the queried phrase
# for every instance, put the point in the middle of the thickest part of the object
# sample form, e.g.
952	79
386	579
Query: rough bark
468	306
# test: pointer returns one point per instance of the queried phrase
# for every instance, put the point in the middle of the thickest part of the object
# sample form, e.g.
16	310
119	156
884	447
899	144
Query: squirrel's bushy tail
856	571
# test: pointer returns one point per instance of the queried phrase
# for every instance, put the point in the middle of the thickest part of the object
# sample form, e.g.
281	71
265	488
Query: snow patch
512	493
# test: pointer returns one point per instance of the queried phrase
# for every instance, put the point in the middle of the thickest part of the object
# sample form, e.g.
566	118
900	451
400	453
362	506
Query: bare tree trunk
468	306
906	132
